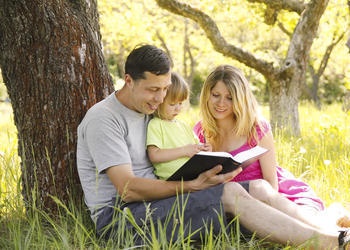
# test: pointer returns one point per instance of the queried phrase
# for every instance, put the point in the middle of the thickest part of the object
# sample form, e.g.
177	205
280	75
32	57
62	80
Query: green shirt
169	134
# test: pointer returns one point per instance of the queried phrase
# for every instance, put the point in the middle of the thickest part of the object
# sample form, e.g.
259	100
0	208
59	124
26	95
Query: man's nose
160	96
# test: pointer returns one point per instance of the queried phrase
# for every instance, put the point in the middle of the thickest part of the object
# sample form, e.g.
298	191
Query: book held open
203	161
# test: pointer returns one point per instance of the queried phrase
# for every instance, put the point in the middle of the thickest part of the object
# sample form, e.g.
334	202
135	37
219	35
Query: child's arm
157	155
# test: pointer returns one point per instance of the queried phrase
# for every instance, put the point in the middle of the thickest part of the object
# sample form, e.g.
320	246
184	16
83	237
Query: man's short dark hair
147	58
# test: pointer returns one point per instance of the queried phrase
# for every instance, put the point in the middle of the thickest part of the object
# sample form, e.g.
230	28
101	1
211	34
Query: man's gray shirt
110	135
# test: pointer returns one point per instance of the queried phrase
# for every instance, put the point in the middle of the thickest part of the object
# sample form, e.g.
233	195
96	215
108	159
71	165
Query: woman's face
220	102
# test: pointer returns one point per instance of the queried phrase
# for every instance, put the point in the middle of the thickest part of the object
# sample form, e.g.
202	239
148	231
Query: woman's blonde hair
178	91
244	104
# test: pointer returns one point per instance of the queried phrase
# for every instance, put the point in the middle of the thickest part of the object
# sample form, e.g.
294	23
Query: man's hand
211	178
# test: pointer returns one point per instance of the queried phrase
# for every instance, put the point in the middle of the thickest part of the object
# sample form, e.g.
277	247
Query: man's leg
270	223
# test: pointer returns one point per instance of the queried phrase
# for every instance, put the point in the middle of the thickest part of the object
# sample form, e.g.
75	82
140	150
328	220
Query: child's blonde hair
178	91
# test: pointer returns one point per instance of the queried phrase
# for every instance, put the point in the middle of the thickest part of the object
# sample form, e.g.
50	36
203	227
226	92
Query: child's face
171	109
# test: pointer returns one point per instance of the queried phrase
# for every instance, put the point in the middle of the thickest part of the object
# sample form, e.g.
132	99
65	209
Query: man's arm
132	188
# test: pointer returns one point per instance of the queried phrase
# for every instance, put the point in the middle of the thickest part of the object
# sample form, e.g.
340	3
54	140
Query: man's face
147	94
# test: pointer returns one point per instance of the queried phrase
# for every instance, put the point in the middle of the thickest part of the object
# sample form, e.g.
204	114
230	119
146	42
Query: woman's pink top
288	185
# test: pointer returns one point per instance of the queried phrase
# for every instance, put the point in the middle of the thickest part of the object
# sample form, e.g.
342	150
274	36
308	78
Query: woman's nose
221	101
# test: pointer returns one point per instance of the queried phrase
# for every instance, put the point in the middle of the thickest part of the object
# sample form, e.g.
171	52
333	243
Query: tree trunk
282	98
54	70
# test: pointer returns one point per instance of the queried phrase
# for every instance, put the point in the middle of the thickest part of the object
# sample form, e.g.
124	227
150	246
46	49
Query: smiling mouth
220	110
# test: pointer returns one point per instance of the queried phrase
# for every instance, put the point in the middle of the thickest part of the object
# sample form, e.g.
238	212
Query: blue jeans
199	211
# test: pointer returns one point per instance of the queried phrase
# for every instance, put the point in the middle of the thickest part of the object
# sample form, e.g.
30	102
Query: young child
170	142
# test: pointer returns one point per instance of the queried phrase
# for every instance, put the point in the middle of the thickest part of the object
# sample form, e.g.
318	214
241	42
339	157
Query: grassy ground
321	157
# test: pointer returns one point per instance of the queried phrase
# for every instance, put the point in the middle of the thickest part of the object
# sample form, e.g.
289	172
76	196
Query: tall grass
320	157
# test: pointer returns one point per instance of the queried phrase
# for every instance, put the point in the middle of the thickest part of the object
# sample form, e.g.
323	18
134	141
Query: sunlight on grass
10	186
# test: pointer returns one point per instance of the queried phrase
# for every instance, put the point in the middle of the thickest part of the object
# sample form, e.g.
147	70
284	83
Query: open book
203	161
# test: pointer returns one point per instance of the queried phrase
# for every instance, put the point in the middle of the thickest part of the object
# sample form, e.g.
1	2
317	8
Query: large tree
54	70
284	80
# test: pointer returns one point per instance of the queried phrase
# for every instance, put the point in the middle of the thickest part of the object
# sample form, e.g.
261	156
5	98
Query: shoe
344	239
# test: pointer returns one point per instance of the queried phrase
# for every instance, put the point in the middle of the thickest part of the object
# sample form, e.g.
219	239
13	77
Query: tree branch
306	31
214	35
290	5
328	53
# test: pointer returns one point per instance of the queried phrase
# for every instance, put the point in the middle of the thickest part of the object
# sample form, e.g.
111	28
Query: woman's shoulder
198	127
263	127
198	130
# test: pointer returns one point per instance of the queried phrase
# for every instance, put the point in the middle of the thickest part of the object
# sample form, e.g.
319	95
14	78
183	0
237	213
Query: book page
245	155
222	154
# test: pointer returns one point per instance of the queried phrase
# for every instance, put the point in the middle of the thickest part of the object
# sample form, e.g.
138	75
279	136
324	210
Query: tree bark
54	70
285	80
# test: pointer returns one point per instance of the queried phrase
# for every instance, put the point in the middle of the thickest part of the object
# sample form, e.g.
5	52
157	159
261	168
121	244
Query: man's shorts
195	215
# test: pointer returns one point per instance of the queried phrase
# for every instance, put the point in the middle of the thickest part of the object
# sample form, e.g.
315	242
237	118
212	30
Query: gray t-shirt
110	135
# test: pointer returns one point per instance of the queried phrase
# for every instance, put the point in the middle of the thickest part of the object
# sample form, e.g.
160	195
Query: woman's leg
272	224
262	190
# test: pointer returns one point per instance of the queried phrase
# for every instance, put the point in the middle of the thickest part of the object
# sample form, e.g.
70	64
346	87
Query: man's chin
150	111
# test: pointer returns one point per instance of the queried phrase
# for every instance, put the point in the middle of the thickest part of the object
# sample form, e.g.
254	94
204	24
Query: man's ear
129	82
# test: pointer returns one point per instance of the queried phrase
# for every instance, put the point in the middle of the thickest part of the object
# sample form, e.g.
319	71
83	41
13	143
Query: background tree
285	80
53	68
316	74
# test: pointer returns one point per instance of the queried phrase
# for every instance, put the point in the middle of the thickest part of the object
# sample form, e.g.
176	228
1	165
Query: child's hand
192	149
206	147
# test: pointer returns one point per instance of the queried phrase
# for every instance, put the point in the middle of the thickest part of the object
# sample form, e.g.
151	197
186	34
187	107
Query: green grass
320	157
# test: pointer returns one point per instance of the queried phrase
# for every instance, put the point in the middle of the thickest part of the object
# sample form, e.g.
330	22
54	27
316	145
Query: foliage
320	157
3	91
196	89
123	27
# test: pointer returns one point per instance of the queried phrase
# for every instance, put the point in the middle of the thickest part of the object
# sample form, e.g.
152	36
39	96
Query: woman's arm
268	161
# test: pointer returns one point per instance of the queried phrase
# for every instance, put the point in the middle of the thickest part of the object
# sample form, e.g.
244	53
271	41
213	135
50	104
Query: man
115	171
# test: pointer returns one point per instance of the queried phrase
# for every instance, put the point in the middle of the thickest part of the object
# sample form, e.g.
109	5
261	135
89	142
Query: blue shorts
200	211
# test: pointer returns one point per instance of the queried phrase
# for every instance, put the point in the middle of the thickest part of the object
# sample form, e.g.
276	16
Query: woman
232	123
